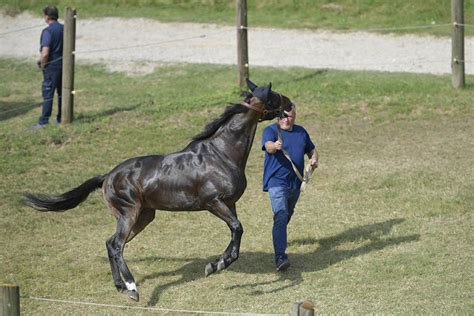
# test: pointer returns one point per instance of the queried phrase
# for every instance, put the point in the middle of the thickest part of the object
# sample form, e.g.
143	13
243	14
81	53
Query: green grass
385	226
312	14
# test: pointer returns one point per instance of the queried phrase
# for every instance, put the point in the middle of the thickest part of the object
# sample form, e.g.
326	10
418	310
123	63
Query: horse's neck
236	137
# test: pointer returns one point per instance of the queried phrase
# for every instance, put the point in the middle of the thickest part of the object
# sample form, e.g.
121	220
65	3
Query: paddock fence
457	62
10	305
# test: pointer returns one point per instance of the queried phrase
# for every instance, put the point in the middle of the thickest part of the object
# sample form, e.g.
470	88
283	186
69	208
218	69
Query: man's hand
44	57
313	159
277	145
273	147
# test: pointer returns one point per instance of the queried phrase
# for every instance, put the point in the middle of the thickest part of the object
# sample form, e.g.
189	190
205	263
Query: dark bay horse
209	174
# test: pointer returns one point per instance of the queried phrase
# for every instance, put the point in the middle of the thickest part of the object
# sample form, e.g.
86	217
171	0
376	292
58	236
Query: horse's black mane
212	127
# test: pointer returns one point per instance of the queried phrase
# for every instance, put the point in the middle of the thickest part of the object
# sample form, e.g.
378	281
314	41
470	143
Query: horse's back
184	180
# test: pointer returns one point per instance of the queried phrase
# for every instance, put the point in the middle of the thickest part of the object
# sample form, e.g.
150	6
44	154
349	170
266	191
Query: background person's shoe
37	126
282	264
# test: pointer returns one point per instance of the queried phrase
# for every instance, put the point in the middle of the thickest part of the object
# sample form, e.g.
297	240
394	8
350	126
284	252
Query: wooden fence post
10	299
457	43
69	46
242	43
305	308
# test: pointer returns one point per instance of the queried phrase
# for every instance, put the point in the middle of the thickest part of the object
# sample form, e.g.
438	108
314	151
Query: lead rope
298	174
308	170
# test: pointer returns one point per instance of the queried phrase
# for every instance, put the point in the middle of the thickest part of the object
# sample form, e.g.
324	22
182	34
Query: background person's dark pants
52	81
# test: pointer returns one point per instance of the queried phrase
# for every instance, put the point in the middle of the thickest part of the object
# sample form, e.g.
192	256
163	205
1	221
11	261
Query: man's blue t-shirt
277	170
52	37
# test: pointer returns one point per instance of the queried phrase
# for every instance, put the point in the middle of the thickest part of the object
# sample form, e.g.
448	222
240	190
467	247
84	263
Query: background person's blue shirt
277	170
52	37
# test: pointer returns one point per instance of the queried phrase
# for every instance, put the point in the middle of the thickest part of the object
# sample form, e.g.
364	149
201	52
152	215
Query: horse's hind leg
147	215
129	223
119	284
229	215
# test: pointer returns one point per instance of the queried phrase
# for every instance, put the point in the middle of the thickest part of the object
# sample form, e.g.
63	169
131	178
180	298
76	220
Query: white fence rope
400	28
156	309
22	29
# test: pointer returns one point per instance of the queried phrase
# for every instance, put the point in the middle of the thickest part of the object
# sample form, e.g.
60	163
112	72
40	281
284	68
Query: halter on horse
209	174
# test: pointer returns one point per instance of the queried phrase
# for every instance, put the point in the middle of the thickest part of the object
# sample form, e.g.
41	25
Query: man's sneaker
282	264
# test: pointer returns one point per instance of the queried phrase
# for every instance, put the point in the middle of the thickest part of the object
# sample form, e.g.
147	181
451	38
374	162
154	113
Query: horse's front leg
227	214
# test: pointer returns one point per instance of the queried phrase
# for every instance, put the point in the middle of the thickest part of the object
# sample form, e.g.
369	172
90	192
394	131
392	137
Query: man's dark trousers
52	81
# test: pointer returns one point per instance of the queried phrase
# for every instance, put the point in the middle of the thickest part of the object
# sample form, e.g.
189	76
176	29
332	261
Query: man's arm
313	158
44	56
272	147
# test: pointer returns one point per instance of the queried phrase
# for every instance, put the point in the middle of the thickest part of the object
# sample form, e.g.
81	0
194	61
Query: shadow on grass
90	117
469	86
311	75
327	254
10	110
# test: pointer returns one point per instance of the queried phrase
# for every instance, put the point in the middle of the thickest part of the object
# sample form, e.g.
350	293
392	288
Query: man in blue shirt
51	53
279	177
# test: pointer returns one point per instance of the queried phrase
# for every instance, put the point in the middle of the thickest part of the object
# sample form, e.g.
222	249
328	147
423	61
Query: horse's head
274	103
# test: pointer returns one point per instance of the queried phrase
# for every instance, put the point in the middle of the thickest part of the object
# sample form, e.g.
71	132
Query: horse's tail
65	201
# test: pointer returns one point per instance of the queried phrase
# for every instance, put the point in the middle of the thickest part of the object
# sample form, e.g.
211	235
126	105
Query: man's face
286	123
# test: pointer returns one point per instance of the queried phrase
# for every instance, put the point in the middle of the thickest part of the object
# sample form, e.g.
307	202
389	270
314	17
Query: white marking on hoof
131	286
220	265
209	269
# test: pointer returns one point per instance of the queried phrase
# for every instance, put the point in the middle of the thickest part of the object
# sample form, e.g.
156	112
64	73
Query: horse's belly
172	200
190	191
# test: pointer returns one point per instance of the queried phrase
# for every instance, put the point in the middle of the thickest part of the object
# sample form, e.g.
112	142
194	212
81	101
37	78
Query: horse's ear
251	85
266	92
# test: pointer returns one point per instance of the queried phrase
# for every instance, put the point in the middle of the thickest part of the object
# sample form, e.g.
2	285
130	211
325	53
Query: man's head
287	119
50	13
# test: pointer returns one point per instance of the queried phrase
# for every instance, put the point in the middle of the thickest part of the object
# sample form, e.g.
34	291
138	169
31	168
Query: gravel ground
137	46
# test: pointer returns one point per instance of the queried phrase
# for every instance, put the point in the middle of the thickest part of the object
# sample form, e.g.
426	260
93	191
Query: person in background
51	52
280	179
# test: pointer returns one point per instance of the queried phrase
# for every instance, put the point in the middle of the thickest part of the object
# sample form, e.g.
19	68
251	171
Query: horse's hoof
133	295
220	265
210	269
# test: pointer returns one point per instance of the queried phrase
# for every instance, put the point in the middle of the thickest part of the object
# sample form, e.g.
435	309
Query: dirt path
139	45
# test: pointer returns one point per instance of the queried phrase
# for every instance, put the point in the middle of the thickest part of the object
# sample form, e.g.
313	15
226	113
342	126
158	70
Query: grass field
385	226
313	14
